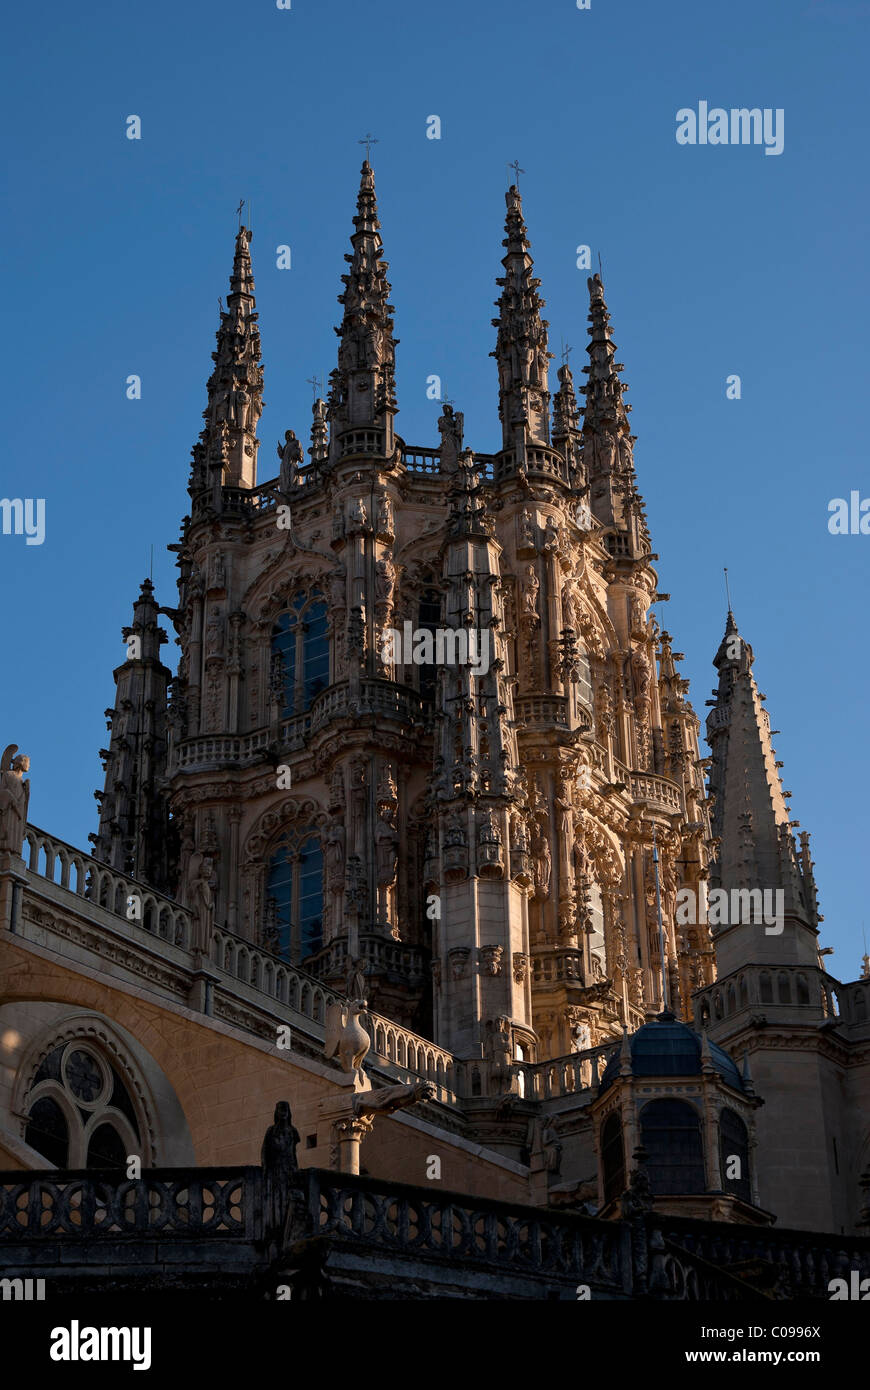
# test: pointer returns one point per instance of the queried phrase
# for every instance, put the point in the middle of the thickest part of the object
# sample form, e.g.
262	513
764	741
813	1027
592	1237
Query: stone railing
564	1076
84	1204
210	751
403	1054
60	863
565	963
418	460
384	955
660	792
465	1231
541	711
375	697
538	460
790	1264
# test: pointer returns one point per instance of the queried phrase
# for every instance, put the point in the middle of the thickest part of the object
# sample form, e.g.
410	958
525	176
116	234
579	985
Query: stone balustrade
88	878
211	751
660	792
563	1076
375	697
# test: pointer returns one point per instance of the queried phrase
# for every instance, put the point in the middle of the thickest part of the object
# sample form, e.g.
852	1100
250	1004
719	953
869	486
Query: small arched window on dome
734	1155
80	1113
671	1135
300	652
613	1157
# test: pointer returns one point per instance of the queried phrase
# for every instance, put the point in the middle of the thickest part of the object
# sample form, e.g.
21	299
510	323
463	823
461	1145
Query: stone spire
319	449
226	454
362	397
607	438
521	346
567	437
751	820
133	834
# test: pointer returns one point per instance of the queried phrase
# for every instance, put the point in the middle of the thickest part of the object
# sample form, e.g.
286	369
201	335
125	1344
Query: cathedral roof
667	1047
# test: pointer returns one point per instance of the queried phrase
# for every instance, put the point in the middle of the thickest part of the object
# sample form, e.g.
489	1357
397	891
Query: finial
566	352
517	171
239	212
727	589
316	384
368	140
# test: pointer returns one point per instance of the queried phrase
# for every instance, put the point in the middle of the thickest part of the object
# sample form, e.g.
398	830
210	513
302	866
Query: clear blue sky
717	260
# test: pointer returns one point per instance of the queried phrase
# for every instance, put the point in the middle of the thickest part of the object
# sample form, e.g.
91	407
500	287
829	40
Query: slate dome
667	1047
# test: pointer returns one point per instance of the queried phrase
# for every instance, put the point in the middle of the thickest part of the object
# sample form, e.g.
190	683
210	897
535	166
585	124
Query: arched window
612	1158
80	1113
803	990
734	1155
671	1135
765	988
429	617
294	895
784	988
300	652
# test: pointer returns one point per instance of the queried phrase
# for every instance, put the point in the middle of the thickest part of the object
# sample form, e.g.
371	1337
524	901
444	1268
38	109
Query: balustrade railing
61	864
564	1076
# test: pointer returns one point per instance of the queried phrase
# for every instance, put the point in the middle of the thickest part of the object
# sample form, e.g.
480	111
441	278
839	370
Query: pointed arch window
300	652
294	895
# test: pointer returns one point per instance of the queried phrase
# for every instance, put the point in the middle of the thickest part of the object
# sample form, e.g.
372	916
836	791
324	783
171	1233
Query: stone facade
426	747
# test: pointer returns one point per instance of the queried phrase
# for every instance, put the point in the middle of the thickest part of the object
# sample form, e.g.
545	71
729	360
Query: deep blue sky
717	260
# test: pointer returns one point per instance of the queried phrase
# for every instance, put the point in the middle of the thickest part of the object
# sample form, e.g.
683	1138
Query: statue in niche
202	881
355	984
385	584
213	633
385	523
641	671
290	454
551	1145
569	606
530	592
387	855
14	798
550	539
542	863
358	514
527	530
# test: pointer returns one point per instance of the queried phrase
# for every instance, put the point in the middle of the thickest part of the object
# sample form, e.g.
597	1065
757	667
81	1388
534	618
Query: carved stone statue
527	530
290	454
346	1038
358	514
355	984
14	798
551	1145
385	523
543	864
569	606
278	1159
450	426
201	878
530	592
385	584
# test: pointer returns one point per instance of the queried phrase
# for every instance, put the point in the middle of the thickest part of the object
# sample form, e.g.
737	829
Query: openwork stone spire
134	835
521	346
227	452
751	818
566	424
607	439
362	397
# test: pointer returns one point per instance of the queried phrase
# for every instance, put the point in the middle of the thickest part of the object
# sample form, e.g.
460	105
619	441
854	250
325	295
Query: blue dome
667	1047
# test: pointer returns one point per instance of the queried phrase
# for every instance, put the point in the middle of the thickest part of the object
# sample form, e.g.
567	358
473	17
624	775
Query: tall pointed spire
607	438
566	425
751	819
134	833
227	451
521	346
362	395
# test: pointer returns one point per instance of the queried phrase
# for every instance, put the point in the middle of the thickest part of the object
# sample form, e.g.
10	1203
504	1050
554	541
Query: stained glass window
671	1135
294	894
300	642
